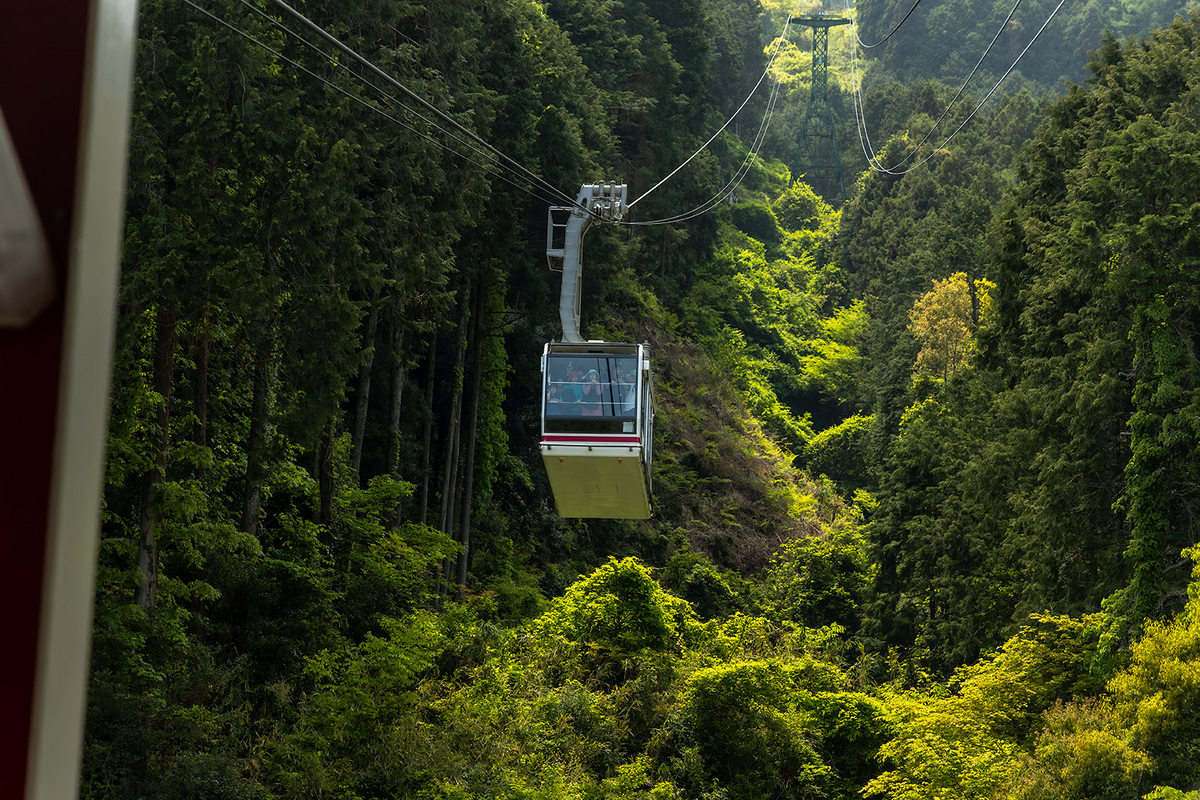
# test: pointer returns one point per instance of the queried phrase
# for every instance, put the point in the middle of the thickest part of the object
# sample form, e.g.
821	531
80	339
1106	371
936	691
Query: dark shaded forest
927	458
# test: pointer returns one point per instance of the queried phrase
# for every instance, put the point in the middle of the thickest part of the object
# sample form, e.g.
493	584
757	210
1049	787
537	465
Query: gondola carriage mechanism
597	397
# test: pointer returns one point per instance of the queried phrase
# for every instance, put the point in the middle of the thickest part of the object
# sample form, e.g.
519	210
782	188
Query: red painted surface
41	84
585	439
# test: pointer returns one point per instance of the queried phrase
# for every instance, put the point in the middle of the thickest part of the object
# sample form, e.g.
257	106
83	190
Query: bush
818	580
694	578
749	733
1157	695
616	612
840	452
800	209
1078	757
757	220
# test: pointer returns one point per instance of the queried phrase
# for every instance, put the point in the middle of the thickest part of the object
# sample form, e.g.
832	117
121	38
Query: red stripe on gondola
548	438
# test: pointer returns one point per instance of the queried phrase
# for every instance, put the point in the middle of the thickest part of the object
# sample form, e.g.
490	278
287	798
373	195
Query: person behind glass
570	393
591	395
553	401
628	392
623	390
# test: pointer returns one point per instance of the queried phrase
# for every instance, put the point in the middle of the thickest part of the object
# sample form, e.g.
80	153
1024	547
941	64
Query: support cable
866	46
484	167
738	177
481	147
961	89
391	99
861	119
703	147
331	39
516	169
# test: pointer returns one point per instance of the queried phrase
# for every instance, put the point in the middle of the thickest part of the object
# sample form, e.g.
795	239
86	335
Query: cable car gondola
597	397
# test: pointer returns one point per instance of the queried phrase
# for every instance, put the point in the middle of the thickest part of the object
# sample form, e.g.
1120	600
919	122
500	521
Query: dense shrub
756	219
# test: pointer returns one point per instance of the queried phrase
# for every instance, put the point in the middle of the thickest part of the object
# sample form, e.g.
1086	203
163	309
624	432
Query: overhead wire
331	39
362	79
497	170
864	137
483	147
891	33
739	175
744	169
731	186
856	96
537	180
374	109
860	108
778	45
961	88
860	119
514	169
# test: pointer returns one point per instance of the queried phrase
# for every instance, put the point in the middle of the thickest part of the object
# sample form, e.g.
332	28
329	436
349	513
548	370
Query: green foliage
757	220
940	584
757	309
1168	793
939	752
834	365
1047	661
1143	733
899	234
800	209
282	239
946	42
347	734
747	722
945	320
769	726
506	722
695	579
840	452
1099	295
387	571
970	743
720	480
1078	755
617	611
818	580
1037	478
1155	696
752	377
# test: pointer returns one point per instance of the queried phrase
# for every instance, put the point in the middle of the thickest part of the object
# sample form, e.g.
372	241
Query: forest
927	455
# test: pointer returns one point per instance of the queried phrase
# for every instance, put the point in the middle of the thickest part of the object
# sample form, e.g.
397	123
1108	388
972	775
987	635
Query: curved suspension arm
596	202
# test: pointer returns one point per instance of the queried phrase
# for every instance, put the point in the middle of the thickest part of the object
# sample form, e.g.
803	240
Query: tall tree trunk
427	448
472	422
200	401
398	377
974	302
453	433
450	484
256	446
147	557
662	252
362	394
325	475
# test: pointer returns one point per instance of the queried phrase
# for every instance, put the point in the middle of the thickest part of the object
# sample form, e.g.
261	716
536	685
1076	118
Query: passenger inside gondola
627	392
591	395
600	391
571	392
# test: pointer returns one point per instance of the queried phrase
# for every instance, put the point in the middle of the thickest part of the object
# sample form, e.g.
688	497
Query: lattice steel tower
818	156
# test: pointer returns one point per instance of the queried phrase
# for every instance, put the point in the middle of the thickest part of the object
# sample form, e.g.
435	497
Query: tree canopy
925	461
